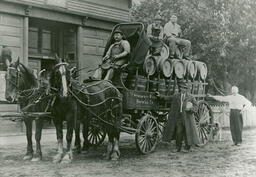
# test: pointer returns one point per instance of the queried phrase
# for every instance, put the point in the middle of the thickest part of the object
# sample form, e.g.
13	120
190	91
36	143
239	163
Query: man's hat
158	17
182	84
118	31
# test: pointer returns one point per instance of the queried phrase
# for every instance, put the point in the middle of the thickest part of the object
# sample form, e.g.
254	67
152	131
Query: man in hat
155	33
115	58
6	58
237	104
181	123
172	33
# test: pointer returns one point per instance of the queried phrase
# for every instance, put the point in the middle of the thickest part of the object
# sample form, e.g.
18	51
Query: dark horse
99	99
22	86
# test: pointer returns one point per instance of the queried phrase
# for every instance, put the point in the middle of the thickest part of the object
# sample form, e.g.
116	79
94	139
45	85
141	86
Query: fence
221	115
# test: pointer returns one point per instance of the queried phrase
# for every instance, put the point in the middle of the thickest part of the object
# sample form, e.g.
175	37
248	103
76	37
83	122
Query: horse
64	108
23	86
99	99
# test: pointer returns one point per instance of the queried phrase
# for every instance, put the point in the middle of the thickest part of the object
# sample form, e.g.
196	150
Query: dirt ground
216	159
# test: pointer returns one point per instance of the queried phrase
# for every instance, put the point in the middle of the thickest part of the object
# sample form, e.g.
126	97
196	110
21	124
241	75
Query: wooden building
74	29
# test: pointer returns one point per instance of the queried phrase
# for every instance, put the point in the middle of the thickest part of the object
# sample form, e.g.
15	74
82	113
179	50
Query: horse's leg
59	133
86	143
109	146
38	135
116	152
70	126
77	137
29	153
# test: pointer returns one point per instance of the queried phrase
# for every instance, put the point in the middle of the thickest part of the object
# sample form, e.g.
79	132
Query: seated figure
115	58
155	34
172	33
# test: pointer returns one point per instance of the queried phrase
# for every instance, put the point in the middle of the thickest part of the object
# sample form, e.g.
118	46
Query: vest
116	49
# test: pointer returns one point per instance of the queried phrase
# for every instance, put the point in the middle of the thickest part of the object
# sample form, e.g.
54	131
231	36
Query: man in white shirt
237	103
172	33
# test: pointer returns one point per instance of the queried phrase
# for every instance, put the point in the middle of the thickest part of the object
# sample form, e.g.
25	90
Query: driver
115	58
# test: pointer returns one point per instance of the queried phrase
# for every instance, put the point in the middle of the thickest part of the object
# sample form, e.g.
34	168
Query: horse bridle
18	75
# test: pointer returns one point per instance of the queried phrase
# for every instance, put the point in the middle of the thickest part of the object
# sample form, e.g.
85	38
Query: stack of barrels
161	72
171	68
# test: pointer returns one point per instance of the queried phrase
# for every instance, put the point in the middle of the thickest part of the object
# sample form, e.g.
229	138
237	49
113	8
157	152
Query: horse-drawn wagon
130	101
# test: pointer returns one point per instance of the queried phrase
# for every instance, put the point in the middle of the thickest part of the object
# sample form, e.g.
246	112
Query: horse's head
18	78
60	77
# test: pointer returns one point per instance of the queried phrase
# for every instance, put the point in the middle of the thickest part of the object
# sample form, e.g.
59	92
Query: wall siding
94	41
11	34
113	10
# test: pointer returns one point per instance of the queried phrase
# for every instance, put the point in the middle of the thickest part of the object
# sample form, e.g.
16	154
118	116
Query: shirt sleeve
245	101
161	35
149	30
126	46
166	29
222	98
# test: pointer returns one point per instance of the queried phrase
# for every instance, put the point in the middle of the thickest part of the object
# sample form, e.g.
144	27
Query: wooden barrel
179	68
150	65
165	52
191	68
139	83
165	66
201	69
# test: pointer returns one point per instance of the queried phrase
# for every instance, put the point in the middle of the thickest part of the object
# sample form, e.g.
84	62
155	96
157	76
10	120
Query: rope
95	115
218	89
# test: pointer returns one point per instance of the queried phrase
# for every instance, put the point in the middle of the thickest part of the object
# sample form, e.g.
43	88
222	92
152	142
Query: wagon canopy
135	34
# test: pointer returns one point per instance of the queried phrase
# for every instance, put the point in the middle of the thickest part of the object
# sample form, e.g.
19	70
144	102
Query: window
42	42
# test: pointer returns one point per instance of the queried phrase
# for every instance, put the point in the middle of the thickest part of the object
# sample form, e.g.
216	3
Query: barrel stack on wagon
144	113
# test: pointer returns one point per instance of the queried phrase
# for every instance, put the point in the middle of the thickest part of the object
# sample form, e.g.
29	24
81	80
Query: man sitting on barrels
172	33
155	33
115	58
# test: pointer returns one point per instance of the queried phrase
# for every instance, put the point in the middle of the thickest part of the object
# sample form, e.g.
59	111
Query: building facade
77	30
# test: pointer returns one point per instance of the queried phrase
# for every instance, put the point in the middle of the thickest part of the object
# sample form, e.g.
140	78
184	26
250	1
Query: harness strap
92	105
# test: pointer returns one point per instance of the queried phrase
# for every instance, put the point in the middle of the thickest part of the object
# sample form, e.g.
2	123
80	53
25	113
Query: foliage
222	32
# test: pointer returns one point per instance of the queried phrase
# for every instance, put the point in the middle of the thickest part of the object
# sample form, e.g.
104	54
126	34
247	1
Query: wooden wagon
144	115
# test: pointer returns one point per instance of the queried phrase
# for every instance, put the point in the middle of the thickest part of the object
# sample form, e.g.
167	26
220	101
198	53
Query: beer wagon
144	114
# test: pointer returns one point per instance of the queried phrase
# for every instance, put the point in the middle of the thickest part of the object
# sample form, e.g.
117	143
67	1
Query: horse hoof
114	156
28	157
67	159
57	158
106	156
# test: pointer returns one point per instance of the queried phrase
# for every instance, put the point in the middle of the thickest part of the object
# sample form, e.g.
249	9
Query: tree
222	32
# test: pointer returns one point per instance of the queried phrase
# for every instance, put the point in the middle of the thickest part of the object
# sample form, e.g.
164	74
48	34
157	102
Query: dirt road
216	159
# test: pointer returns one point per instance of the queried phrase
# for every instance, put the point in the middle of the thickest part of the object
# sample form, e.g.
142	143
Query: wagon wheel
204	121
146	137
96	135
